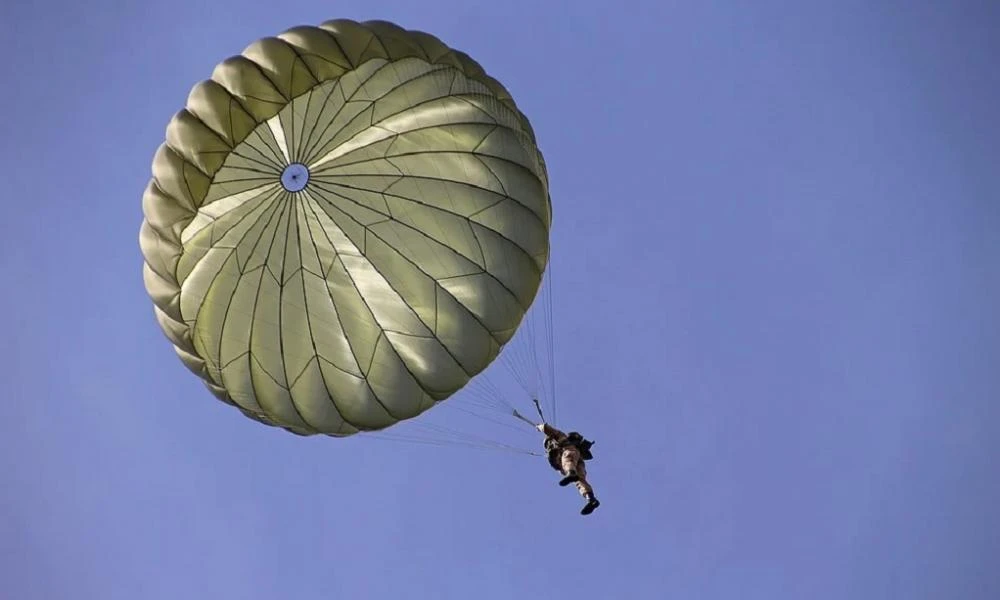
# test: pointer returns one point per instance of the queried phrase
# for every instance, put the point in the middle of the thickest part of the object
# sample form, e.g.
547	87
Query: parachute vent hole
295	177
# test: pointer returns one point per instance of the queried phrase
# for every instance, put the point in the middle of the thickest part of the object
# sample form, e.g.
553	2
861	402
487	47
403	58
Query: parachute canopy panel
344	225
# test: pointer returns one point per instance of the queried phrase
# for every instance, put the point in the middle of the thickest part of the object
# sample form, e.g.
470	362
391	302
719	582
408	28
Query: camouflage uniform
566	459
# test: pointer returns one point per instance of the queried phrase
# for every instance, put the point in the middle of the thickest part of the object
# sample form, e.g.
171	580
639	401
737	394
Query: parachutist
568	453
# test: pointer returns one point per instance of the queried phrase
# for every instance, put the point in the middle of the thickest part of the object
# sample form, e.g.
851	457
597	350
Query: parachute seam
315	78
253	318
229	113
336	312
411	107
234	359
225	317
203	152
233	252
412	311
233	99
398	86
514	296
392	346
308	141
290	199
312	150
372	40
251	159
435	69
465	62
308	52
395	135
336	40
517	247
472	229
291	140
263	100
314	142
469	68
312	336
496	126
195	203
501	196
261	199
381	332
437	283
390	32
263	73
279	159
468	220
298	56
390	218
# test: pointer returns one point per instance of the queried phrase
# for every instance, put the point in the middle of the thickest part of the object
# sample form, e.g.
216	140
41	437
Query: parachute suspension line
544	386
467	437
488	395
428	432
431	433
441	428
550	341
523	418
485	418
520	356
523	361
514	361
546	372
412	439
453	421
539	409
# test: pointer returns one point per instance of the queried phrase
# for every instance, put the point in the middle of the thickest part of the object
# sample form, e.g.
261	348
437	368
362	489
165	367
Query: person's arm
550	431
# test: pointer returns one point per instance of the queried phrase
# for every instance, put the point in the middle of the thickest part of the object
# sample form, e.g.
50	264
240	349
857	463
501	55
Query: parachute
345	224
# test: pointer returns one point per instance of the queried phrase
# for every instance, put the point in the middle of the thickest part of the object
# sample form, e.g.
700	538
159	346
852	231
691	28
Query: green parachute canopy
345	224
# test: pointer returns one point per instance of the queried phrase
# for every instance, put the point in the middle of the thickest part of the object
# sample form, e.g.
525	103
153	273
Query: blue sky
776	279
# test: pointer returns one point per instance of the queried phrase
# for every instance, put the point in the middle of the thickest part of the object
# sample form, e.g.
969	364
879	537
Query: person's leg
586	490
568	461
582	484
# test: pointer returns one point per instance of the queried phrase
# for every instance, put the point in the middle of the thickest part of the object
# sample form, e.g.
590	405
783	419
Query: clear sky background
777	274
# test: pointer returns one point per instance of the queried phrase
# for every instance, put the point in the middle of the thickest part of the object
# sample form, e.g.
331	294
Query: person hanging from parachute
568	453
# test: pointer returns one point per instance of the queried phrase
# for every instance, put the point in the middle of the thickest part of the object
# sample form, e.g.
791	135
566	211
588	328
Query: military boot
570	477
592	503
